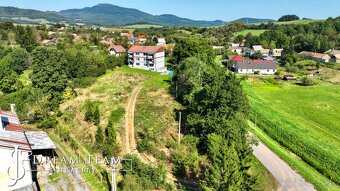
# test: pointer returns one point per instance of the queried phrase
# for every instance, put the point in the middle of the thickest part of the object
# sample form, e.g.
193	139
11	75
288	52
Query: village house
236	58
116	50
335	55
315	56
147	57
53	41
236	48
251	67
161	42
265	52
277	52
257	48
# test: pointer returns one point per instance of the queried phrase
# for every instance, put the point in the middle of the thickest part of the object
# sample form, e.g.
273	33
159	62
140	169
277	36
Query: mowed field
253	32
305	120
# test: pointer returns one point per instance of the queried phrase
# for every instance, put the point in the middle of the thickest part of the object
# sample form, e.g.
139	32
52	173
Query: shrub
83	82
92	113
307	81
144	146
48	123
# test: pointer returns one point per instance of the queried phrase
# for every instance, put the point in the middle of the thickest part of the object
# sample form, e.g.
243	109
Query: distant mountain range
253	20
106	15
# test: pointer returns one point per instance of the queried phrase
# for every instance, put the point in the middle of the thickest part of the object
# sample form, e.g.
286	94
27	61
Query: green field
142	26
253	32
305	120
297	22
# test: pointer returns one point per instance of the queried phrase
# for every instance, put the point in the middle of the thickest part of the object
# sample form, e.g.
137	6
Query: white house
161	42
236	48
257	48
277	52
250	67
147	57
116	50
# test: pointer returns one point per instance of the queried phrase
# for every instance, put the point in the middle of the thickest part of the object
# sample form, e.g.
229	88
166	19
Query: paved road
287	178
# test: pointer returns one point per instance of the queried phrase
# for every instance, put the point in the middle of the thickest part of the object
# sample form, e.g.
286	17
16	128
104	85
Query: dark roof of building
255	65
146	49
9	139
39	140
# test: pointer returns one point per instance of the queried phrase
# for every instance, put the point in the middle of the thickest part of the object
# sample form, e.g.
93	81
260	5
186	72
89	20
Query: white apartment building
147	58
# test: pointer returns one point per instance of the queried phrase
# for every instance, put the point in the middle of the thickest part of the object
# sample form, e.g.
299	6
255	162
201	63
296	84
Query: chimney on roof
13	108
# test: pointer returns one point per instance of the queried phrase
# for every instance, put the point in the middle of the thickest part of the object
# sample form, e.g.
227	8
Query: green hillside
13	13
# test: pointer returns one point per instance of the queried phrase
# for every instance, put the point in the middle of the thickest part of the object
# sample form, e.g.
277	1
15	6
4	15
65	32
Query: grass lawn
253	32
305	120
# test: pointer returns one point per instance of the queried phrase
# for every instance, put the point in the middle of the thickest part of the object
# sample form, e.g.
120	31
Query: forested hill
112	15
107	15
15	14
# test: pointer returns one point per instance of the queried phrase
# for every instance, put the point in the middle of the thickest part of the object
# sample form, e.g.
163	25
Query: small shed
289	77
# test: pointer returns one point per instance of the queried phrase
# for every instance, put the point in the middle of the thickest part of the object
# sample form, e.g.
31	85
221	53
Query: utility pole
176	89
113	184
179	128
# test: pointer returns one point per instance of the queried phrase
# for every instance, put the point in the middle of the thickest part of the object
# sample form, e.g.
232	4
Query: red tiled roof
146	49
117	48
13	127
238	58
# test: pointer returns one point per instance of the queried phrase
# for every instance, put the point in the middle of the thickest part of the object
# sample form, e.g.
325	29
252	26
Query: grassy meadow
305	120
253	32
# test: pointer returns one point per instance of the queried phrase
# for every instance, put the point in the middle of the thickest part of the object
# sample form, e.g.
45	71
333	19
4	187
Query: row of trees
216	113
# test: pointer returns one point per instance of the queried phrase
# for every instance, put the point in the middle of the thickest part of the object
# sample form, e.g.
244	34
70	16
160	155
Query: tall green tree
224	172
48	71
191	47
25	37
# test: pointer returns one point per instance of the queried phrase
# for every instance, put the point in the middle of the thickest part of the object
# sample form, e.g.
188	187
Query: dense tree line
216	113
289	18
315	36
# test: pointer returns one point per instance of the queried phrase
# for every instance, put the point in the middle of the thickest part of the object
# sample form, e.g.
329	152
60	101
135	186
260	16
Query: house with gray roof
264	67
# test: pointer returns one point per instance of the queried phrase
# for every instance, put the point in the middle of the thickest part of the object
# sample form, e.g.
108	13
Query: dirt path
130	143
287	178
130	140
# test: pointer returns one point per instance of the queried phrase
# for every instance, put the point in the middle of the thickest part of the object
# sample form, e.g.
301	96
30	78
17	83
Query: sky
225	10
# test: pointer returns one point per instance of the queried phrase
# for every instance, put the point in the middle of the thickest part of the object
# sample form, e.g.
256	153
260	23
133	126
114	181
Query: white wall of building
155	62
262	71
6	161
